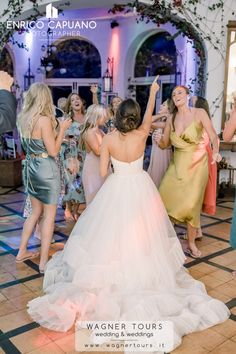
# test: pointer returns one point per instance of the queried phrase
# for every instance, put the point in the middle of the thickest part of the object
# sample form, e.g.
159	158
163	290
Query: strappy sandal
30	256
193	255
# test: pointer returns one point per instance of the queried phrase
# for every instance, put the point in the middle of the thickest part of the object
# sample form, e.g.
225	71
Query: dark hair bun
128	116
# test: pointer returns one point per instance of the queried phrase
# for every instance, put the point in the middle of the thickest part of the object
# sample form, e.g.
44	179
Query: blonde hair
94	112
61	103
37	102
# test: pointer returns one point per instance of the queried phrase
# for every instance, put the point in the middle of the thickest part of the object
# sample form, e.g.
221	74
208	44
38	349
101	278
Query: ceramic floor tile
16	290
31	340
14	320
67	343
50	348
21	302
228	347
7	307
228	204
222	213
204	268
208	339
9	258
35	285
211	282
225	259
220	296
187	347
220	230
14	299
227	328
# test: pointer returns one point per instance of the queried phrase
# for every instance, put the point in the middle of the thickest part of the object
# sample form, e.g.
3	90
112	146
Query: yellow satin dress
183	186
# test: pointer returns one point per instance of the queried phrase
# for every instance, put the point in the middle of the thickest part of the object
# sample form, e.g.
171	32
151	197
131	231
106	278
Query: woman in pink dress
160	158
91	140
209	202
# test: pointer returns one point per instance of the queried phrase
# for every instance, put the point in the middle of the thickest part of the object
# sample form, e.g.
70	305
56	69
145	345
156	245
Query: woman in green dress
228	133
72	157
37	126
183	186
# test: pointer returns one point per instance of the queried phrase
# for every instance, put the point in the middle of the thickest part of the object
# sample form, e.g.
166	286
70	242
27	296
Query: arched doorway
76	65
155	56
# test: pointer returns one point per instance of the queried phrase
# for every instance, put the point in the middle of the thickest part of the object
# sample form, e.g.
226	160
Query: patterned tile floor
20	283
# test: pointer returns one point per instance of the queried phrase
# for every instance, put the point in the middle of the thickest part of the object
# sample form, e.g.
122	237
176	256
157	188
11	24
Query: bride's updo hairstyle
128	116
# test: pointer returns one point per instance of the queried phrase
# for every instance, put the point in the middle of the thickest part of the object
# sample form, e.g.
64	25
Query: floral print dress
72	158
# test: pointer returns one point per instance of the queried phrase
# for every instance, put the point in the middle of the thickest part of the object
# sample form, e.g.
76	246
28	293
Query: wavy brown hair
68	109
201	102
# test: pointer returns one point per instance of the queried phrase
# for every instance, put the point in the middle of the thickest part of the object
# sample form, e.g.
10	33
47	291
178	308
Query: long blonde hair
94	112
37	102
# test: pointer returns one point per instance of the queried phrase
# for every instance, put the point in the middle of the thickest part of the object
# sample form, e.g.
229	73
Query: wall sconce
28	77
108	76
114	24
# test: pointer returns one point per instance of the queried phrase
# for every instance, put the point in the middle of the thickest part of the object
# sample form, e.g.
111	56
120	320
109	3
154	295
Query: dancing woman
183	186
91	139
37	126
160	158
73	157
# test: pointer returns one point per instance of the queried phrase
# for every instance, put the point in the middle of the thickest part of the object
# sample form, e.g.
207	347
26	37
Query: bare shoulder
199	112
106	139
44	121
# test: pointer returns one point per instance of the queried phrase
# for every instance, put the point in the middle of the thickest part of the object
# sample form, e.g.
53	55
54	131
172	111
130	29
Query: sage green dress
40	174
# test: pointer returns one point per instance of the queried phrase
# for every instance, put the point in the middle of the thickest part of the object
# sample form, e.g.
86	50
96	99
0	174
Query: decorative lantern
28	77
108	76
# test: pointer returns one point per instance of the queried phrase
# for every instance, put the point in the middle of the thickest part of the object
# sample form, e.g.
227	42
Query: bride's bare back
127	147
130	145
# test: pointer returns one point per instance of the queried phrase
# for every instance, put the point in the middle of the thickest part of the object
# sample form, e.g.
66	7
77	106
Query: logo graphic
51	11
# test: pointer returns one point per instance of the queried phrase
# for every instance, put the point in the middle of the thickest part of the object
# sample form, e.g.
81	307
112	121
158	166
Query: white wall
213	23
122	43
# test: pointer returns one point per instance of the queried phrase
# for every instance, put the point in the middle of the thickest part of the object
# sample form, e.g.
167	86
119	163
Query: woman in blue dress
37	126
228	133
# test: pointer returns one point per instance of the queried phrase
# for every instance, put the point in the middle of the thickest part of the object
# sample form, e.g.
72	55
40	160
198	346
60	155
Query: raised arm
208	126
230	127
94	90
104	157
51	143
157	125
147	120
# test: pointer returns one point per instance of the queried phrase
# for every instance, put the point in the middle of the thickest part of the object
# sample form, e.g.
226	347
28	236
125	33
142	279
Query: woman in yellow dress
183	186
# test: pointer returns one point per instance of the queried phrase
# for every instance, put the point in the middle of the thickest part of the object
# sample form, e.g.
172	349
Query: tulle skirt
123	261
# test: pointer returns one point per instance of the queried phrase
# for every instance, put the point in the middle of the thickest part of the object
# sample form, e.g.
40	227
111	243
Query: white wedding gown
123	261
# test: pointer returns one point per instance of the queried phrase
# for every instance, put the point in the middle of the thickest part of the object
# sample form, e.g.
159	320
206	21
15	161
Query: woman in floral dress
72	158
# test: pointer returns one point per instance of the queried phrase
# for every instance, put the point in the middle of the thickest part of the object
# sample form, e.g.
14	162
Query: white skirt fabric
123	261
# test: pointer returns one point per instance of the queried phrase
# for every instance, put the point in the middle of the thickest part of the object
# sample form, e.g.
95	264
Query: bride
123	260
